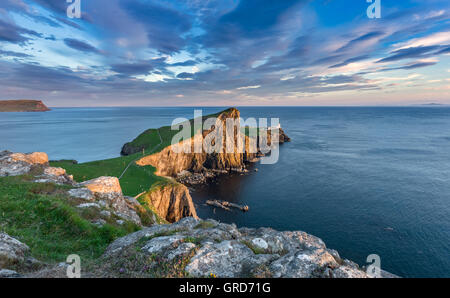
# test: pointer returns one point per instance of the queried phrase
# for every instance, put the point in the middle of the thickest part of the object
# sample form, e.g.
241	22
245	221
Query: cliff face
23	106
172	202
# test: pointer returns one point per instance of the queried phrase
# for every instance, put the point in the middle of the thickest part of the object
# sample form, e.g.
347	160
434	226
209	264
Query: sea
366	180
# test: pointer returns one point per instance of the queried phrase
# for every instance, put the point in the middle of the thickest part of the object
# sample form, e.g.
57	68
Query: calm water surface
365	180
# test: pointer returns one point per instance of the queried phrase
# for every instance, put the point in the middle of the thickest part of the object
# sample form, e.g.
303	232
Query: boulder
55	175
5	273
32	158
103	186
12	250
15	164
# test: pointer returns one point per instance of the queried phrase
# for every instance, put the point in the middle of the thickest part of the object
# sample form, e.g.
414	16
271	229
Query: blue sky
225	52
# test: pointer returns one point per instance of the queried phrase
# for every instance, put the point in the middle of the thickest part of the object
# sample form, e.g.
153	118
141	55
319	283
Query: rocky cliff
171	201
23	106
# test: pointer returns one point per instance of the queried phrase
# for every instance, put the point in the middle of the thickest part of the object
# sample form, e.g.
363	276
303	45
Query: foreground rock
12	251
211	248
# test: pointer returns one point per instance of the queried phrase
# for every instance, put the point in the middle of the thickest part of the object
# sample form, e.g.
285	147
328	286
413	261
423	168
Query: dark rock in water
129	149
23	106
283	137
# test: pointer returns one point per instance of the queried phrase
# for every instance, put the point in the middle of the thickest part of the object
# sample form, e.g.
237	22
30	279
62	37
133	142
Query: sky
225	52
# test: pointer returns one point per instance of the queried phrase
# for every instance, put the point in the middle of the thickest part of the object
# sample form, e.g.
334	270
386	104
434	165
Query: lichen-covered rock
348	272
157	245
303	264
108	194
15	164
11	250
81	193
224	259
223	250
183	249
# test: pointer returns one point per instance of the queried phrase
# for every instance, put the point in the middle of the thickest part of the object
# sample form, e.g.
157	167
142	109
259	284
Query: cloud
272	49
138	68
14	54
249	87
413	52
81	46
185	75
12	33
351	60
367	37
164	25
439	38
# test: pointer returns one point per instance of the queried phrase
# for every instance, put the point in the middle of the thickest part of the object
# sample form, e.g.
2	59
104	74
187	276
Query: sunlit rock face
173	159
172	202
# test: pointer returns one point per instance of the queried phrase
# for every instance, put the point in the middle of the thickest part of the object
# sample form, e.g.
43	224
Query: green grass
42	217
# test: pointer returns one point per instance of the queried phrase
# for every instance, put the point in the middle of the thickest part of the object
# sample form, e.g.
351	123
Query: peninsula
23	105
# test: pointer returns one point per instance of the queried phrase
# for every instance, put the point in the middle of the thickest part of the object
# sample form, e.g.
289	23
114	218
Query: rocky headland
157	232
23	106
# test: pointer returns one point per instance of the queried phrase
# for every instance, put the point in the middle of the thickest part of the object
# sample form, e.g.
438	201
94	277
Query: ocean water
367	180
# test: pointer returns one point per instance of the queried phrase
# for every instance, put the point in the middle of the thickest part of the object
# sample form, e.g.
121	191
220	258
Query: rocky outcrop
222	250
129	148
12	251
15	164
105	193
23	106
55	175
172	201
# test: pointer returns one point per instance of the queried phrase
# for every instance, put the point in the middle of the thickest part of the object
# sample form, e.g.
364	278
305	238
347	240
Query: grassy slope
42	216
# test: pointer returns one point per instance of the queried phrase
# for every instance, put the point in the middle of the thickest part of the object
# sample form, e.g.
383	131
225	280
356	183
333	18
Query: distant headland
23	106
